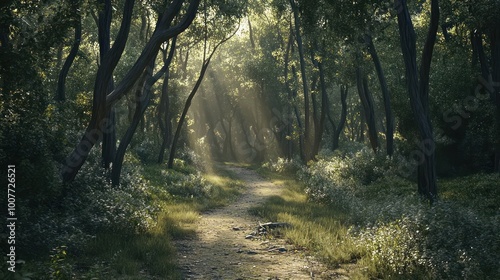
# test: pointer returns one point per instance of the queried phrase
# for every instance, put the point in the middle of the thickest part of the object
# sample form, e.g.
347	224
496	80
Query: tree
61	83
343	115
418	90
367	104
307	150
385	94
207	57
103	102
143	96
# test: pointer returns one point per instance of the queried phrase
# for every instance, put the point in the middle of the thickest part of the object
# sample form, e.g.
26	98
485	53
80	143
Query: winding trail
221	251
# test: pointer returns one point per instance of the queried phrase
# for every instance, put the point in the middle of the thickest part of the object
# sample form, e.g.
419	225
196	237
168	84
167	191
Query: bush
282	165
188	185
90	205
390	249
398	233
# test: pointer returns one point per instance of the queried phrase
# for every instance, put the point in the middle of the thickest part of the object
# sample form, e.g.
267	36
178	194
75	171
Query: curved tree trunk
418	92
389	134
143	97
98	123
177	134
165	118
203	70
61	82
102	103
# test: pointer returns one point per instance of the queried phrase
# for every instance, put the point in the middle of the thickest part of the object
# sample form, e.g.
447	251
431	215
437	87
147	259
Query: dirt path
221	251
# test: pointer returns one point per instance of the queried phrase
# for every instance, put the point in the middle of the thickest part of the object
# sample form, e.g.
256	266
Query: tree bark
389	134
418	92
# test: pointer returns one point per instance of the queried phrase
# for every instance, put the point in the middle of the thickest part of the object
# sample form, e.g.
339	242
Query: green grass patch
478	191
318	227
180	196
384	230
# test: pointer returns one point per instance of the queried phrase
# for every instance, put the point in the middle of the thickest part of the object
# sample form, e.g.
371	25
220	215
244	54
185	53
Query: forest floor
223	249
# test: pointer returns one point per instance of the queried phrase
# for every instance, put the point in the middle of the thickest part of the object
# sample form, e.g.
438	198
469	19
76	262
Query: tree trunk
164	115
165	118
98	123
343	117
250	31
204	67
61	82
324	103
142	96
367	105
292	94
307	149
418	92
109	135
162	33
477	45
389	134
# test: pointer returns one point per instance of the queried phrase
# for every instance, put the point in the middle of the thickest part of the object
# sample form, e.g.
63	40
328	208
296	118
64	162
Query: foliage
385	227
282	165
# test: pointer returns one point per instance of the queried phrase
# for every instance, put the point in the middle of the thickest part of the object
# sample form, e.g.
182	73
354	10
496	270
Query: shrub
282	165
90	205
400	235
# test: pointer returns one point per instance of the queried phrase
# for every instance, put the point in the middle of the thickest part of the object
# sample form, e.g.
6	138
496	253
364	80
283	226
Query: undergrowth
94	230
357	211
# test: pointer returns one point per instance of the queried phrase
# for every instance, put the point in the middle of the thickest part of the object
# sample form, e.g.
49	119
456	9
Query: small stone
252	253
249	236
236	228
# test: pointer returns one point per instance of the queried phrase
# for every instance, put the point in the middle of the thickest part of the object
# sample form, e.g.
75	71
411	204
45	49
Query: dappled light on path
223	249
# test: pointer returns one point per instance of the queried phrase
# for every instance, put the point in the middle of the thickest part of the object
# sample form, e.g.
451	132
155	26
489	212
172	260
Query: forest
367	132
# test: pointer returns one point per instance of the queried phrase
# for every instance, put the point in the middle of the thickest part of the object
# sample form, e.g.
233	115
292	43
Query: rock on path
221	251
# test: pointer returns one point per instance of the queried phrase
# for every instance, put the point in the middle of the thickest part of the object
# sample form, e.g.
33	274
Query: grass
362	251
317	227
480	191
152	254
